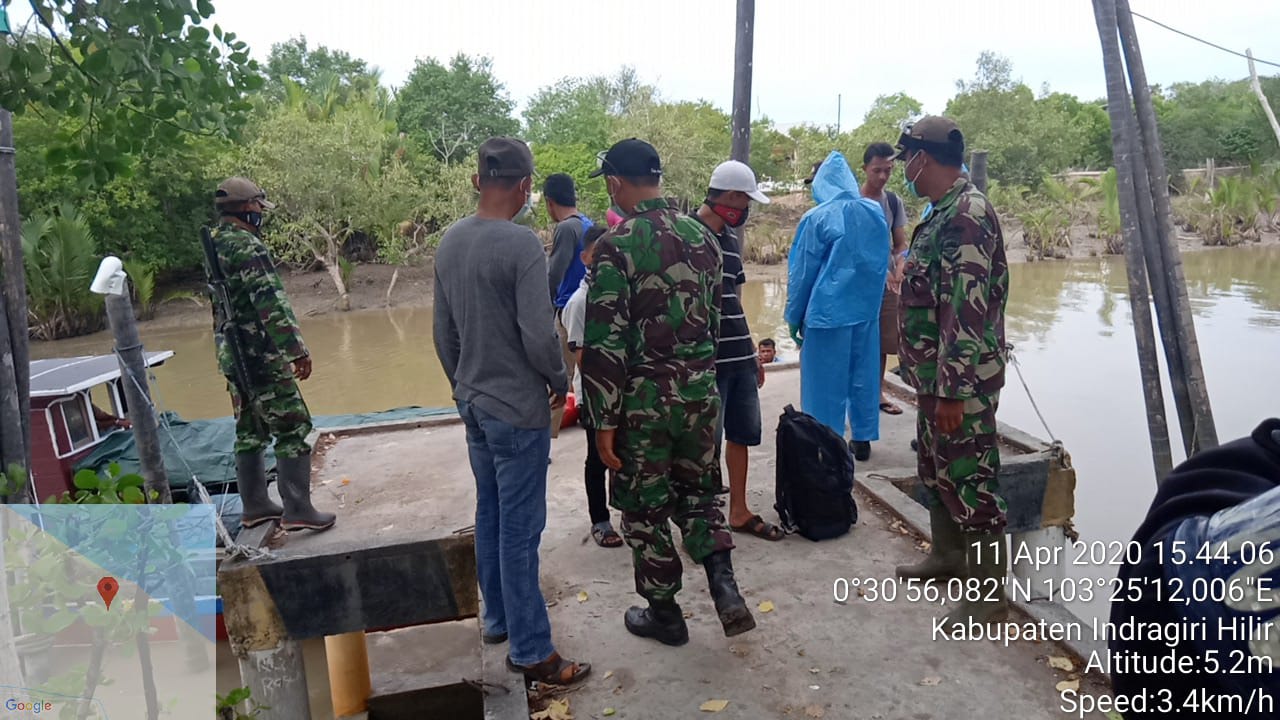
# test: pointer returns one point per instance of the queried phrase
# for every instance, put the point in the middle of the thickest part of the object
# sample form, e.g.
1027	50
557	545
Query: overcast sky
807	52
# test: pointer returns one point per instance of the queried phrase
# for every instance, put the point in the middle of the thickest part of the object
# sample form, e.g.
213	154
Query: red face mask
733	217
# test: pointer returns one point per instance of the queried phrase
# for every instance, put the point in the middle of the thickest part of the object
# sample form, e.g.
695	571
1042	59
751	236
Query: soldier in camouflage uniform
952	350
648	370
275	358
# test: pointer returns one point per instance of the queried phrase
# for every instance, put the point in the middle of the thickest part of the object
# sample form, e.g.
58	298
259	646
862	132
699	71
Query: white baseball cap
736	175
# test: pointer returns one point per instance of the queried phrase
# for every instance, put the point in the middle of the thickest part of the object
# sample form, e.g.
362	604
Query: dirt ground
312	293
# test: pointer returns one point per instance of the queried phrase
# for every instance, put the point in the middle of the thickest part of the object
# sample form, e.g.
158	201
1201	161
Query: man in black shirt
739	373
1209	562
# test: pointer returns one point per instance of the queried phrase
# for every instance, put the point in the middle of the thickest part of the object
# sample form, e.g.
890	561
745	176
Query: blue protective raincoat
835	281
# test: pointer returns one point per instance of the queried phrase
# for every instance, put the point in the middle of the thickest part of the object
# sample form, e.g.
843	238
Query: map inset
113	610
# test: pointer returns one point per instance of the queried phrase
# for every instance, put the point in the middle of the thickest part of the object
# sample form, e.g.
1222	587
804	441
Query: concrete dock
809	657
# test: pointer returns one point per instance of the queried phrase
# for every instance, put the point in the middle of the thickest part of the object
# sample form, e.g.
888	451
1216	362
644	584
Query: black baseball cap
936	135
505	157
629	158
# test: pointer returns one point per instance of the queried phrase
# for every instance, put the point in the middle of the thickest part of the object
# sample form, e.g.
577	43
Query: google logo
35	708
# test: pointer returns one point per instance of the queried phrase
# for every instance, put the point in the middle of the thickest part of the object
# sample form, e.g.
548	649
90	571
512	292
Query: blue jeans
510	465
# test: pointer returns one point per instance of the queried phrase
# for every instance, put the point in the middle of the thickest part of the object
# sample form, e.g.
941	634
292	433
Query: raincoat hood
834	179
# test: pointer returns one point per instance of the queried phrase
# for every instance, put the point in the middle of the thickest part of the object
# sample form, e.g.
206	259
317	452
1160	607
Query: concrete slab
861	658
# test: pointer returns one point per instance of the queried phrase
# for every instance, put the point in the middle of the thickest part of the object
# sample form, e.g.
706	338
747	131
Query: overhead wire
1202	40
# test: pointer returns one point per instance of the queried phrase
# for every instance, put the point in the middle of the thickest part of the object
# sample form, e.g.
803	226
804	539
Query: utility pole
742	52
839	107
15	363
978	169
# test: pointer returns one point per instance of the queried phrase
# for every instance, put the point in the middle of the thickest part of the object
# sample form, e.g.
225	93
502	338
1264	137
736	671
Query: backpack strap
895	204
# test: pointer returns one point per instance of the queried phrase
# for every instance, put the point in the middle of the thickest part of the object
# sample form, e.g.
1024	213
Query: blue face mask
911	182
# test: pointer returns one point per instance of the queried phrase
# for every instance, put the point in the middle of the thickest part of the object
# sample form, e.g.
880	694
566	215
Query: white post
1039	560
277	680
1257	90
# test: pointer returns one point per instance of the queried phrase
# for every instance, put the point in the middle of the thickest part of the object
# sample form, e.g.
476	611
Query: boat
67	395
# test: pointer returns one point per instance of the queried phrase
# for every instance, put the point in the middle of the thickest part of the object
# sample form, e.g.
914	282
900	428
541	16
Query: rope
234	549
1013	359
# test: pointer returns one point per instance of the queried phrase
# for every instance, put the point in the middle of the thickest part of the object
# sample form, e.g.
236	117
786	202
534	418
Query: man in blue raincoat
835	281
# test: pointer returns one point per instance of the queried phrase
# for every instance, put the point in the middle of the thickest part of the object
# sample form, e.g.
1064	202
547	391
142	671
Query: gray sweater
494	329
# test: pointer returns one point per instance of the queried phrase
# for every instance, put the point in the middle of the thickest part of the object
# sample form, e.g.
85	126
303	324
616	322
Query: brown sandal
761	529
555	670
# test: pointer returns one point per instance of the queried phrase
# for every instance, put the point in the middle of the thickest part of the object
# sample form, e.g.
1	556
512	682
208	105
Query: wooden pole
1122	142
1161	295
742	52
15	360
1204	433
133	369
349	681
1257	90
978	170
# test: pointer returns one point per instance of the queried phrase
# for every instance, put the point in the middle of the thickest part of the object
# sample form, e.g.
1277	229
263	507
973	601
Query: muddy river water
1069	322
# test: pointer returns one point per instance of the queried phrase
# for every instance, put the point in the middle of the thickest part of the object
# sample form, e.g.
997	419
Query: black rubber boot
251	480
732	609
946	557
988	561
662	621
861	449
294	481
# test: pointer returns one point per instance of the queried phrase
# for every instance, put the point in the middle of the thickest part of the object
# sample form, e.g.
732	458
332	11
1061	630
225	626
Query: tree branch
48	25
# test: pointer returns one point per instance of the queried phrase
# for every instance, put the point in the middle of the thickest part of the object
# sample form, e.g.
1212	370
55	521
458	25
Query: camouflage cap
236	190
935	135
505	157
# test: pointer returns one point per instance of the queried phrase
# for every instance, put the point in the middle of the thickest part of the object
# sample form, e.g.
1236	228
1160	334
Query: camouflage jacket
653	314
951	321
268	329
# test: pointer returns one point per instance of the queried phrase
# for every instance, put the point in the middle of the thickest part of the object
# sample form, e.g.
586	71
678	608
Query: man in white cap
739	373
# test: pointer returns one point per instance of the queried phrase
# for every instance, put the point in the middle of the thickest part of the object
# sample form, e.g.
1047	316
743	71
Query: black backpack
814	481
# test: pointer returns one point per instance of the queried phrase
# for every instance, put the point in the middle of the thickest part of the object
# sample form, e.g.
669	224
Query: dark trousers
596	478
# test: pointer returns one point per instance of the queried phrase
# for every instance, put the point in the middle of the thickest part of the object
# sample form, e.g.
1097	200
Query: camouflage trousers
276	410
669	473
961	468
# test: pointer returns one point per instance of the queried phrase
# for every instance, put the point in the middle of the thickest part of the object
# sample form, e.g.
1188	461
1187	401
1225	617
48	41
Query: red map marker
107	588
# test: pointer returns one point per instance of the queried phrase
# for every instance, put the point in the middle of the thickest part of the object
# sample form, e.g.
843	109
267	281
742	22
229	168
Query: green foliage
691	138
152	214
455	108
113	487
573	111
58	252
1109	228
142	281
578	161
126	74
1216	119
1025	138
1047	218
336	72
228	705
330	177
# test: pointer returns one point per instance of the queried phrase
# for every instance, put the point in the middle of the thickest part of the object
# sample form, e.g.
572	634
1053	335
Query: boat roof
52	377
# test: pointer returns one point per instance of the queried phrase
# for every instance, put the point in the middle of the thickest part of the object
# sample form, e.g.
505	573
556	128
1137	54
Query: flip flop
606	537
889	408
761	529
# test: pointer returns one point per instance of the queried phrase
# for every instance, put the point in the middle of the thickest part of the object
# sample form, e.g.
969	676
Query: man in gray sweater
496	340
